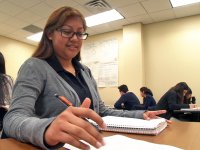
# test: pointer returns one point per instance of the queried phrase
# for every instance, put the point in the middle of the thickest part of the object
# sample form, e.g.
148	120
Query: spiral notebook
133	125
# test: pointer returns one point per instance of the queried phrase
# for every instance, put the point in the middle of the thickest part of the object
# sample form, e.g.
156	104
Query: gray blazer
34	106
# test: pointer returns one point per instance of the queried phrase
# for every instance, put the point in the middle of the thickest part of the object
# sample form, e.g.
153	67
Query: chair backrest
3	111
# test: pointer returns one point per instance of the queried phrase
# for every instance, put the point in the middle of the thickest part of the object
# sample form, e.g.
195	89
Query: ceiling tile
3	17
10	8
41	23
132	10
25	3
42	9
16	23
26	15
145	19
82	2
60	3
121	3
7	28
83	10
163	15
156	5
20	33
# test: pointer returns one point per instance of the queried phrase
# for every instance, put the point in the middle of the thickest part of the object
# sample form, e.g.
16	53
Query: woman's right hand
70	127
192	105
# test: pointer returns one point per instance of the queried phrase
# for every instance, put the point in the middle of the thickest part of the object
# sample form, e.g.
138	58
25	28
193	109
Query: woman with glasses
54	72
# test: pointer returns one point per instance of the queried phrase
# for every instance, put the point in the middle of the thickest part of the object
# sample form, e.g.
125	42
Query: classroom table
184	135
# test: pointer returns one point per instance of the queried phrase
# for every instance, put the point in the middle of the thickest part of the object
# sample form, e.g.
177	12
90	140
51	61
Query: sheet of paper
119	142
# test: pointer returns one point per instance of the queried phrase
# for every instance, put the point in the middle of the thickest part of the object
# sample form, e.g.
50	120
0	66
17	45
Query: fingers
66	138
146	116
153	114
88	113
158	112
169	122
86	103
70	127
85	131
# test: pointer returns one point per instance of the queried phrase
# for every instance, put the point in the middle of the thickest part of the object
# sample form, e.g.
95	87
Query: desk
191	114
184	135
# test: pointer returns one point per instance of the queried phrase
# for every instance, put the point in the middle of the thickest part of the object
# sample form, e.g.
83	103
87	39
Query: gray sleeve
105	111
21	122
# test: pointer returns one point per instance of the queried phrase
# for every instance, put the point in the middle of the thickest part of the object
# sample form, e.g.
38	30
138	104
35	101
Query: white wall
15	54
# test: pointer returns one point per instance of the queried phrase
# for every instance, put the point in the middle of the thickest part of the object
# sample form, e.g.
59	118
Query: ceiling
17	14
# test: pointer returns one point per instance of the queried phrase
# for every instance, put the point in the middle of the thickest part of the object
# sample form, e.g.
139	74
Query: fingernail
103	142
88	148
98	145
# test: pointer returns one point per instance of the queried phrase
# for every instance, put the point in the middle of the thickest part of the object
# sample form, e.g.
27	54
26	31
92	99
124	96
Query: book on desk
133	125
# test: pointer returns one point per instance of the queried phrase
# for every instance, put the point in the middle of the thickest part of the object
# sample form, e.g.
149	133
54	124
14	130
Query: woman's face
142	94
66	48
188	96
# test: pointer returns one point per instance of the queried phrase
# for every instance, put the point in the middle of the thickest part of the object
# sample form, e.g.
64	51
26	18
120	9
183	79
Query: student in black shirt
173	100
128	100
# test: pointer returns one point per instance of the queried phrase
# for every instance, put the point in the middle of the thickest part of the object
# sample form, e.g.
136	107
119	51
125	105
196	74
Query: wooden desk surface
184	135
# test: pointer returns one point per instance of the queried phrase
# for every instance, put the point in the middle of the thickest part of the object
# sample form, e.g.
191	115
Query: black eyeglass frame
79	35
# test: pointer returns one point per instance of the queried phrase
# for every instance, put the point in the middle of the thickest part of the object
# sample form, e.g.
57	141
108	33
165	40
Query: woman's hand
192	106
70	127
153	114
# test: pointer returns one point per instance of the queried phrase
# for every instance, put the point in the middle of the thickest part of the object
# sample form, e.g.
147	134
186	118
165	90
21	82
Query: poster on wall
102	58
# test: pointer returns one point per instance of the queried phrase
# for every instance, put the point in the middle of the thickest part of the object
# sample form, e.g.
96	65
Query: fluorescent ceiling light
103	17
35	37
94	20
177	3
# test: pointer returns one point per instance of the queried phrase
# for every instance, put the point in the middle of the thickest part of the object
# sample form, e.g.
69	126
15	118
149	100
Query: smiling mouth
72	47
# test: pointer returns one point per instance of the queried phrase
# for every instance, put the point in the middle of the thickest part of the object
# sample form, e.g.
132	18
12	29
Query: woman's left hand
153	114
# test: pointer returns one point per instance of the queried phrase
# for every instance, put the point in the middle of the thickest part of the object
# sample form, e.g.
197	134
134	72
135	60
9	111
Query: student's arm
118	104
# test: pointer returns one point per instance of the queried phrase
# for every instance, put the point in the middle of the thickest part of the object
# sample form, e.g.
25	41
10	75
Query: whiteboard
102	58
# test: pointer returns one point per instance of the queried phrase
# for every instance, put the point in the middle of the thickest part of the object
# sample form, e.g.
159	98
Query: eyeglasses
70	34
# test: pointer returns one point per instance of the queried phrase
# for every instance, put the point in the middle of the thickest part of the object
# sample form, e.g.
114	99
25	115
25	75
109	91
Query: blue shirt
129	99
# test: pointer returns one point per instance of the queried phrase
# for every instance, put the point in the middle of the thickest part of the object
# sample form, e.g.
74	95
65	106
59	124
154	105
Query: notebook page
124	122
119	142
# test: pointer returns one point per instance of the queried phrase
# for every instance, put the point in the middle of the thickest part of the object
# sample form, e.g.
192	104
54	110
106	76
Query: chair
3	111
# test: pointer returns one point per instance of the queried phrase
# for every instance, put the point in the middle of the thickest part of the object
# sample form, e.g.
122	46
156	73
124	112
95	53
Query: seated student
36	115
173	100
188	98
5	89
148	100
128	100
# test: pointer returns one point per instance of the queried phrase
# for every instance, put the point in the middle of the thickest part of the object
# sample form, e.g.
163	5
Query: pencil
63	99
